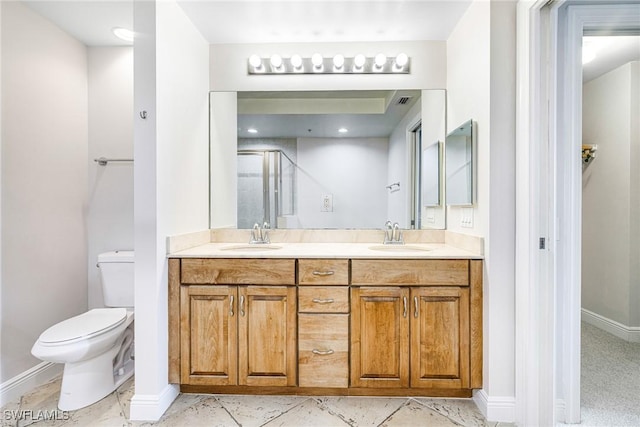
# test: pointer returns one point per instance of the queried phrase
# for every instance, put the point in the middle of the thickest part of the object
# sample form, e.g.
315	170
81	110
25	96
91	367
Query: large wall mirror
328	159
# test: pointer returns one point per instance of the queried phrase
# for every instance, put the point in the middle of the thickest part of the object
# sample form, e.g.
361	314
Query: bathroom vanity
326	318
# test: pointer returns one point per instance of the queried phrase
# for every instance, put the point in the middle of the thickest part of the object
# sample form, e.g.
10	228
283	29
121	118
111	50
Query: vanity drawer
238	271
430	272
323	272
323	350
323	299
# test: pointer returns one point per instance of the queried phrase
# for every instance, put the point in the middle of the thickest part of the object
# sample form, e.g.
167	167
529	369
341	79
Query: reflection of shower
266	187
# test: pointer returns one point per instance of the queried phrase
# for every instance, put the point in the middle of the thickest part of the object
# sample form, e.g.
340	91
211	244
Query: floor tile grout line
238	424
281	414
406	403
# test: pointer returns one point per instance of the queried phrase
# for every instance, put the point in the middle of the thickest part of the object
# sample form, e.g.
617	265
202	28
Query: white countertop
326	250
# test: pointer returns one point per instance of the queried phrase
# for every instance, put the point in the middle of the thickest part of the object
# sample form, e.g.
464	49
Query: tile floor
247	411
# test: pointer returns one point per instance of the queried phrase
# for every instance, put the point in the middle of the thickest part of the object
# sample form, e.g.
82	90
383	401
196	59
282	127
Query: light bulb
296	61
359	60
402	59
276	61
255	61
380	60
338	61
316	59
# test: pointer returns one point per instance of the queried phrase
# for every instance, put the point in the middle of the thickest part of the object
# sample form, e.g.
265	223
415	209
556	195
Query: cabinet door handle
323	301
404	300
231	306
323	273
415	307
322	352
242	305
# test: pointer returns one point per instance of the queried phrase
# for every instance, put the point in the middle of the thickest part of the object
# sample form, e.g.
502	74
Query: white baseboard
150	407
496	408
627	333
28	380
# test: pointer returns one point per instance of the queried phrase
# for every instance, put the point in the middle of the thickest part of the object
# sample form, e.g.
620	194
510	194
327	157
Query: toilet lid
93	322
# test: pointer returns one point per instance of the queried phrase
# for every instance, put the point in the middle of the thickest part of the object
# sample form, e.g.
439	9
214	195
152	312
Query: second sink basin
399	248
251	248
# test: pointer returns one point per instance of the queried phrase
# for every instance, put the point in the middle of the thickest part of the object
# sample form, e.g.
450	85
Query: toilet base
86	382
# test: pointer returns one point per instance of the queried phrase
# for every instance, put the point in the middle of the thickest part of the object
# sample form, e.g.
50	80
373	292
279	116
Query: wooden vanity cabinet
323	323
412	325
237	334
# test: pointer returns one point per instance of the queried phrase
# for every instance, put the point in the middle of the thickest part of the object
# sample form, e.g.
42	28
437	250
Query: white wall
229	66
171	178
610	278
434	124
224	164
353	170
44	175
481	86
110	208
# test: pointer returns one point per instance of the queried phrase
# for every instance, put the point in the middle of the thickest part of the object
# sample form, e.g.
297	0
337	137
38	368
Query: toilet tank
116	275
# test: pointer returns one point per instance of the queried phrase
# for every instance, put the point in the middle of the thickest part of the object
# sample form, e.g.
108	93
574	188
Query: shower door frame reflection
272	186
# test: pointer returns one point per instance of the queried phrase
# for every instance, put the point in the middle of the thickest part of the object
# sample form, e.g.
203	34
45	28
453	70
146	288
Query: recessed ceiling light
252	130
123	34
343	130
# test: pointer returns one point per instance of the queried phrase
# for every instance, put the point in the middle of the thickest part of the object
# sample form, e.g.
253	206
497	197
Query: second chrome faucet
392	234
260	235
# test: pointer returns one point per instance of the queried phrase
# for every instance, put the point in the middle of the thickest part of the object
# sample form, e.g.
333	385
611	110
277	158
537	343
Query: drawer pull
323	301
322	352
231	306
323	273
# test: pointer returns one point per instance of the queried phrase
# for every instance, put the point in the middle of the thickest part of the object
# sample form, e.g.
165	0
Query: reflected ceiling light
123	34
252	130
338	62
343	130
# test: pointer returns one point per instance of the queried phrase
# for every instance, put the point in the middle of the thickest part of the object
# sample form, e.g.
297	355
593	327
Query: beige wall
110	207
610	234
44	181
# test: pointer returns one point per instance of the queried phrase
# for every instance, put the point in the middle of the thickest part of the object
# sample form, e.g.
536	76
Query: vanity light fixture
343	130
123	34
252	130
336	64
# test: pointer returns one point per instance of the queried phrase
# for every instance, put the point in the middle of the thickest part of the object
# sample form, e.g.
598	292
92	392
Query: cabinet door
440	337
208	328
379	337
267	336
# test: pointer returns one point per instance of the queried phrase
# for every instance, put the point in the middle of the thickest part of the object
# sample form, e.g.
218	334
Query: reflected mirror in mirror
460	166
333	159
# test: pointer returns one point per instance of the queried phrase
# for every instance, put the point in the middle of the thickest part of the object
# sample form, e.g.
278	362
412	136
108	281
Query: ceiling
610	53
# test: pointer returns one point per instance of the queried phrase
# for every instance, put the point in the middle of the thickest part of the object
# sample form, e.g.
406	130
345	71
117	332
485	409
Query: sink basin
252	248
399	248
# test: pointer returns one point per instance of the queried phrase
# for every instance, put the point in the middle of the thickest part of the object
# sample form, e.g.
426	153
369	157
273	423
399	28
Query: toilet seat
86	325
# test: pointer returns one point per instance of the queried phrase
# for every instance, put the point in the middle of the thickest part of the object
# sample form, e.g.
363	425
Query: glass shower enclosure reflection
266	188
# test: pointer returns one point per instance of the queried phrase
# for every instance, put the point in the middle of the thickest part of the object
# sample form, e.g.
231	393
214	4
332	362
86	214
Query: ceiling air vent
402	100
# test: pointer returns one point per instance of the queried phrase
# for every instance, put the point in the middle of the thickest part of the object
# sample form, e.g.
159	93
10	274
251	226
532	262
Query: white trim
150	407
567	139
496	408
627	333
28	380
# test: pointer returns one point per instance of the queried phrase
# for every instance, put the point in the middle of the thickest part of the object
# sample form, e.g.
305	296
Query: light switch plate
467	218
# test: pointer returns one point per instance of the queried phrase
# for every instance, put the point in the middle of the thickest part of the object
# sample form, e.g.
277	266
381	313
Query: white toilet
97	346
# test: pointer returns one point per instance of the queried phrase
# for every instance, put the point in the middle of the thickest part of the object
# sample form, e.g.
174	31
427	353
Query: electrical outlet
327	203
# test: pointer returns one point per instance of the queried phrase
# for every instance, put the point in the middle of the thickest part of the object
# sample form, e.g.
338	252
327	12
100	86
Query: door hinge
543	243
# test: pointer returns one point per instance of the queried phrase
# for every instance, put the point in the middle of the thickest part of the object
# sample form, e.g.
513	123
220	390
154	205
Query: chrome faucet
392	234
260	235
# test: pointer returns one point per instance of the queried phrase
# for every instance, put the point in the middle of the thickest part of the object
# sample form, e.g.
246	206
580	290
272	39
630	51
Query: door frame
549	202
